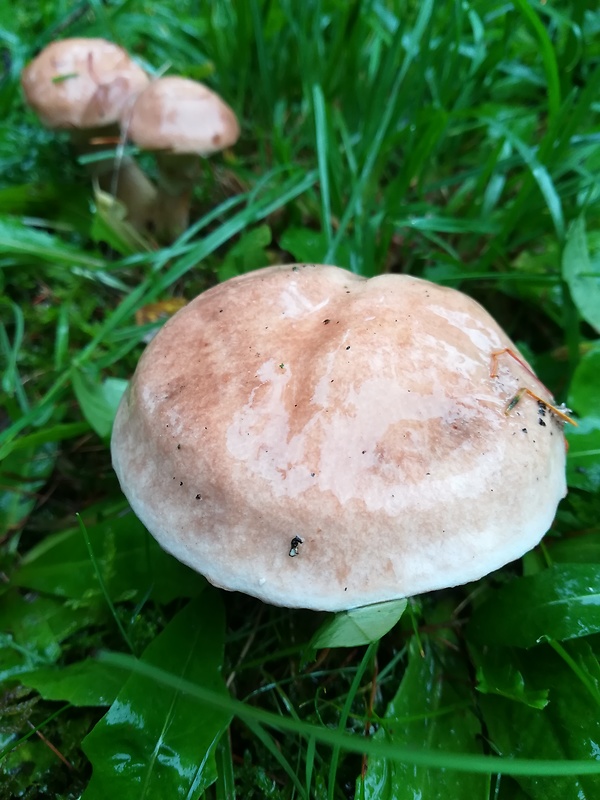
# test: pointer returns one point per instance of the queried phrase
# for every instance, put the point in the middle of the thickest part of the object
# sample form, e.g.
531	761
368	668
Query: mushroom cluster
93	89
320	440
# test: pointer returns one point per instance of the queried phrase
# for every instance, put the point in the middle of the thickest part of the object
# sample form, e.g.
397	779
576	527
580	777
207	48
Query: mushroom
320	440
180	120
83	85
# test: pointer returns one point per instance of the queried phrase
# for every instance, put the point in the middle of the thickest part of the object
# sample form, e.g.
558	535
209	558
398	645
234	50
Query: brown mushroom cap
359	415
81	83
179	115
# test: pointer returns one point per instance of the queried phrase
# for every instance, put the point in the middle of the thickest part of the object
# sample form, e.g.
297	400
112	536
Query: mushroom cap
182	116
358	415
81	83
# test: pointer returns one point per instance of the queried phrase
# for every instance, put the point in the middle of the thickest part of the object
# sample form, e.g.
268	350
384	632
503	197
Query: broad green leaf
431	709
156	742
568	727
310	247
85	683
583	458
13	661
580	549
130	561
509	789
39	624
248	253
33	628
359	625
23	473
583	461
562	602
584	392
582	274
98	400
498	672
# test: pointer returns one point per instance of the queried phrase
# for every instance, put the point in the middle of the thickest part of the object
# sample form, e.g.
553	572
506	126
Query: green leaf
40	624
131	563
581	274
498	673
32	630
359	625
13	661
583	458
156	742
86	683
98	400
431	709
562	602
578	549
310	247
584	391
23	473
248	253
567	728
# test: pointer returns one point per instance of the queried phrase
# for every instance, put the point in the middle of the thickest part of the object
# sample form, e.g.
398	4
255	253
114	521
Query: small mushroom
389	455
82	86
179	120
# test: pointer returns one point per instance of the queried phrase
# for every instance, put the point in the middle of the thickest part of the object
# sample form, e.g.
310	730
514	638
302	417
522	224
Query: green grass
457	141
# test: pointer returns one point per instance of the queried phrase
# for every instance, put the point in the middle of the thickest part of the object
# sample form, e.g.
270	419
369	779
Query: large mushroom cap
360	416
178	115
81	83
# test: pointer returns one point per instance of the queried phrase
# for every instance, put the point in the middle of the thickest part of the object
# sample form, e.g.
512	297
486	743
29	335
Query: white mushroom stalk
317	439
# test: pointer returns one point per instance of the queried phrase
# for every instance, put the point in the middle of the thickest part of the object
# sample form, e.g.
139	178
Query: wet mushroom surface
317	439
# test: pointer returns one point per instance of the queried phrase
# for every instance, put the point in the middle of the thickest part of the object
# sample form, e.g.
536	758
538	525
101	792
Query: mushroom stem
121	177
177	175
127	182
